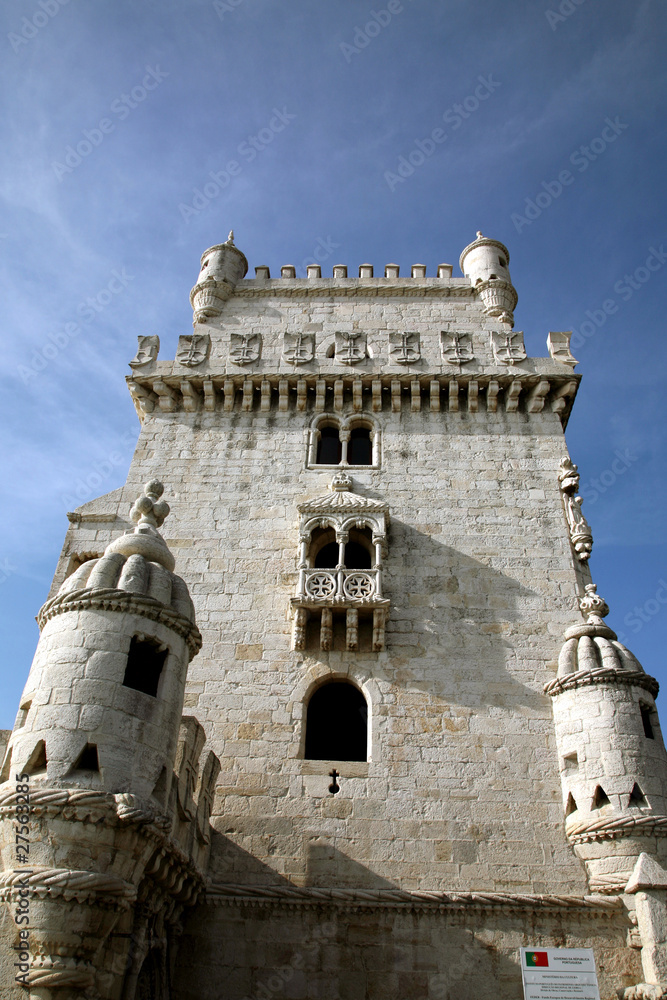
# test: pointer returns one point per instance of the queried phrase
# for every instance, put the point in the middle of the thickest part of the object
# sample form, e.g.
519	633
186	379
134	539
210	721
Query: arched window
344	441
337	723
329	448
360	447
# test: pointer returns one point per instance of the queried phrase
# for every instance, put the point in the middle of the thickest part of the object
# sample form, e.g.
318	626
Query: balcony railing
339	586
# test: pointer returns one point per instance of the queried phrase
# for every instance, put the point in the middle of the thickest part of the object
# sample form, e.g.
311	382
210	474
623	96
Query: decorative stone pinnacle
149	511
341	481
479	234
593	606
230	238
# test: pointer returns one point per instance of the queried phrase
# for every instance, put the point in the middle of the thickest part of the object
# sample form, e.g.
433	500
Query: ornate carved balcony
329	590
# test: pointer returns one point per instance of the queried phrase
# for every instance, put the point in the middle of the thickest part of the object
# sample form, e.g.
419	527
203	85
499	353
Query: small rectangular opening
144	666
646	722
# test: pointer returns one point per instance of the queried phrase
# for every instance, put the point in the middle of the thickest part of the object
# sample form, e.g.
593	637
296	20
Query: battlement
366	274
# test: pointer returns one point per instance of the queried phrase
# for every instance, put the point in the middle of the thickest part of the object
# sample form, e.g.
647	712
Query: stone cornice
540	385
290	897
108	599
603	675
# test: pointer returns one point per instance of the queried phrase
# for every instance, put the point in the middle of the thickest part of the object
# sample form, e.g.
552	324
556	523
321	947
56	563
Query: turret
119	803
103	701
221	267
485	263
612	758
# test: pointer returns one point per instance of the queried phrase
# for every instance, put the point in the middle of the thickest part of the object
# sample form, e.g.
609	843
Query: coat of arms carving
299	348
147	351
456	347
508	347
404	348
244	348
350	347
193	349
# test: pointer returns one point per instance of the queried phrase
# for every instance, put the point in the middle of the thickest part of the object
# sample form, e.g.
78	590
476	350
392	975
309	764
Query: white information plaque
559	974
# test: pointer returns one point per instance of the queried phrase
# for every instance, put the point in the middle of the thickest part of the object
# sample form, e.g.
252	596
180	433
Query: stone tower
378	532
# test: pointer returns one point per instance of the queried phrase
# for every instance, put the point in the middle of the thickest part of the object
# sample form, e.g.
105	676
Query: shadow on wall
326	866
455	626
331	952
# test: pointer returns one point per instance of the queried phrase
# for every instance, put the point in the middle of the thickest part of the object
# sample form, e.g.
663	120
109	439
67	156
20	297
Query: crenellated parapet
435	343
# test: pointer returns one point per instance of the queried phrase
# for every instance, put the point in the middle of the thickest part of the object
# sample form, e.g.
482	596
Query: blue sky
305	112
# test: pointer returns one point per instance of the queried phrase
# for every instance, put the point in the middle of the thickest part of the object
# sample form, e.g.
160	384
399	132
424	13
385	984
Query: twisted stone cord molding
386	897
109	599
44	881
614	882
602	675
57	976
126	807
621	826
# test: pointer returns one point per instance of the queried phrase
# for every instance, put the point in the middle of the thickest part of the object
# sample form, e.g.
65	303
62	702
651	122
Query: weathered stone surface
419	871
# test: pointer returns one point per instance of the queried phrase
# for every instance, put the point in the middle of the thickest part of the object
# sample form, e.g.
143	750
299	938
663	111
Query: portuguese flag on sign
534	958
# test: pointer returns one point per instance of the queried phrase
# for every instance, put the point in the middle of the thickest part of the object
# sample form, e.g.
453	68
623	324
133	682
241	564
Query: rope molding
64	881
601	675
290	896
621	826
110	599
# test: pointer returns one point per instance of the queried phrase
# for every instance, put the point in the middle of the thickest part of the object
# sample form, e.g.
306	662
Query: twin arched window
337	723
347	442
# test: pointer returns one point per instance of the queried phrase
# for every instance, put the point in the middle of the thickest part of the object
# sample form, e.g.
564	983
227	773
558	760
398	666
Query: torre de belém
346	722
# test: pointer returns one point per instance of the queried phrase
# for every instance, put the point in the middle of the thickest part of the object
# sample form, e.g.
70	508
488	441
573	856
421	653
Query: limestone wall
462	786
329	952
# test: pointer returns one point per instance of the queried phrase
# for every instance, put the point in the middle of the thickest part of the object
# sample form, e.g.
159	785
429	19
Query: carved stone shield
193	349
147	351
351	348
456	347
404	348
298	348
508	346
244	348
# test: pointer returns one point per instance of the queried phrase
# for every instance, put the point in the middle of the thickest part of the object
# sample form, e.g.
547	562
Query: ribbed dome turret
138	562
593	645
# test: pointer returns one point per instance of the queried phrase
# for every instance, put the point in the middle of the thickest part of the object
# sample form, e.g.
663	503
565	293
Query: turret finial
149	511
593	606
479	234
230	238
